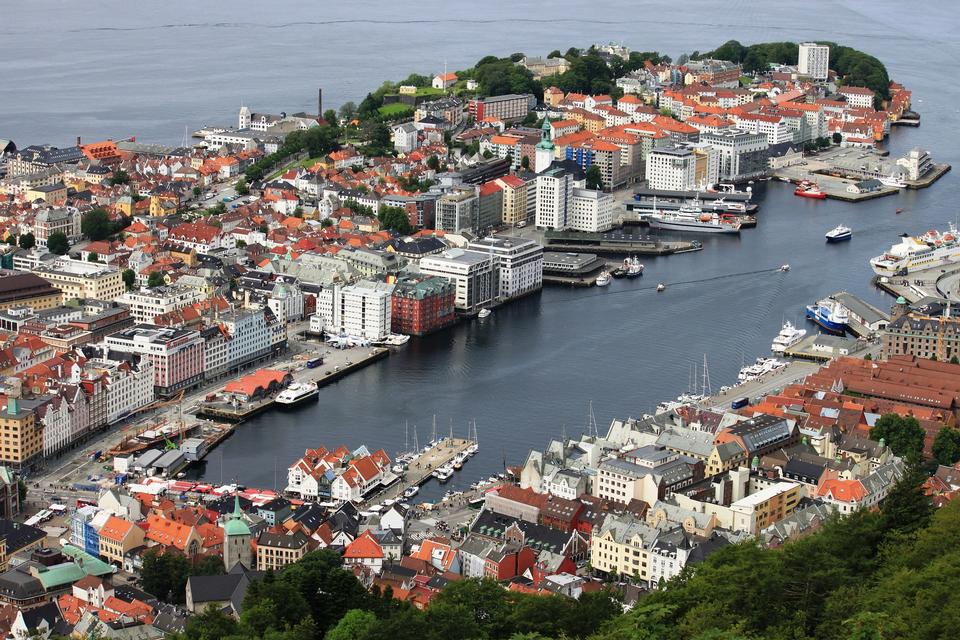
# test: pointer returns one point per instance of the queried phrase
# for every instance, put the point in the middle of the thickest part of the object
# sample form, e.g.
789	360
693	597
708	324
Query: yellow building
27	290
163	205
621	545
514	199
759	510
79	279
117	538
724	457
277	550
21	436
125	205
55	194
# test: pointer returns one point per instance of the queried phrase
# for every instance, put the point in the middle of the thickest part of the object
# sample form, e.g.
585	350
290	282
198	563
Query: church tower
243	122
236	539
544	154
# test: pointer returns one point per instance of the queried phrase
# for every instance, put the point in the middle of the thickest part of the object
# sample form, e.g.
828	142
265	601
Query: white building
917	163
518	264
253	335
671	168
590	210
129	384
742	155
814	60
860	97
470	271
146	304
457	211
554	190
361	310
773	127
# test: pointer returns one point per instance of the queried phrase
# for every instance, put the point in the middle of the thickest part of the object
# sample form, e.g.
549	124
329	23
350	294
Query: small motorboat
603	279
411	491
484	313
899	211
661	287
784	268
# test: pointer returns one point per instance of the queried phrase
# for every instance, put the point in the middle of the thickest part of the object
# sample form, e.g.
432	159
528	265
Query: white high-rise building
361	310
471	272
591	211
554	189
518	264
814	60
671	168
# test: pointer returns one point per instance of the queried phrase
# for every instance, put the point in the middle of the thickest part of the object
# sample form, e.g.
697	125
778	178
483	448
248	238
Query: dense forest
871	576
856	68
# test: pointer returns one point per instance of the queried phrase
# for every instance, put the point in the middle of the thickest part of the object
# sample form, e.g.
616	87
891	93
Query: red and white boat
807	189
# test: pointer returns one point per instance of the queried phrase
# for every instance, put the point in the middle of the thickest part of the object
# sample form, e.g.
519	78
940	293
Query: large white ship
693	221
932	249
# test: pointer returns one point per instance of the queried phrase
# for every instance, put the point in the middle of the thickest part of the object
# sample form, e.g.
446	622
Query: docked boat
393	340
839	233
618	273
808	189
892	181
632	267
645	204
789	335
830	315
297	393
693	221
484	313
932	249
443	474
603	279
409	492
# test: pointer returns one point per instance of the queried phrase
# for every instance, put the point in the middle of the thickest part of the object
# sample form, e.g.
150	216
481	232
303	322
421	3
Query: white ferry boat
932	249
694	221
789	335
297	393
892	181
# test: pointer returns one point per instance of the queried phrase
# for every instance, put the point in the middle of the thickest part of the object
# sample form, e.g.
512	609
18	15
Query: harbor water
527	373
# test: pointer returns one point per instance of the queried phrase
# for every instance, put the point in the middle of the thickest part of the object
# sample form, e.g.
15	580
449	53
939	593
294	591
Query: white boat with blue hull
839	233
830	315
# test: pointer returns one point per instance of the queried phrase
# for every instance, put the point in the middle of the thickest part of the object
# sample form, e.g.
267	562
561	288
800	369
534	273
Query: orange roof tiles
116	529
364	546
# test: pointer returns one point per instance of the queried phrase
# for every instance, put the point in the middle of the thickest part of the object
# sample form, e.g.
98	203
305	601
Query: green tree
93	257
96	224
197	191
555	54
348	110
946	446
433	162
119	177
57	243
129	278
525	163
903	435
326	222
906	508
209	566
594	179
164	574
21	490
395	218
330	117
211	624
837	138
155	280
354	625
273	603
242	188
27	241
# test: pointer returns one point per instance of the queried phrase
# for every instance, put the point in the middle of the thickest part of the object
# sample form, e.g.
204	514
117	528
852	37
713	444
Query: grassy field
302	163
395	109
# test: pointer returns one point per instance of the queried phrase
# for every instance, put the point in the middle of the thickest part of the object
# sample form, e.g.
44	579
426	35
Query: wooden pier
420	471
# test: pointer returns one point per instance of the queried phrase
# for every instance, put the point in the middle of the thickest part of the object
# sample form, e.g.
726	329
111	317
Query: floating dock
616	242
421	470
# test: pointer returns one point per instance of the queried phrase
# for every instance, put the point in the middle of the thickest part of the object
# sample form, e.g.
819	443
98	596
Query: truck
739	403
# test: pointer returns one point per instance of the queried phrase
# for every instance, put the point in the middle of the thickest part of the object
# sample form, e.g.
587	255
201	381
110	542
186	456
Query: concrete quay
939	282
765	385
420	471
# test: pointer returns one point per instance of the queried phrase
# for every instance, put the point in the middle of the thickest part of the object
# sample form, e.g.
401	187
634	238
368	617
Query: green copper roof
901	300
235	525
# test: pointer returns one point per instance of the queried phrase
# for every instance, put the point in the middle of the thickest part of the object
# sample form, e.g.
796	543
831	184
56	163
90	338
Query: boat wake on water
665	285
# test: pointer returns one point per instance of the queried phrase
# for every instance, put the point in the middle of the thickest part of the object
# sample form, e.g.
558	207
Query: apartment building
671	168
21	436
741	155
813	60
590	210
472	274
277	550
176	354
146	304
458	211
518	264
554	190
79	279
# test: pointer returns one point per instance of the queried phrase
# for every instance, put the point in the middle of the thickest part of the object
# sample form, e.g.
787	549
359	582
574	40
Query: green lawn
395	109
429	91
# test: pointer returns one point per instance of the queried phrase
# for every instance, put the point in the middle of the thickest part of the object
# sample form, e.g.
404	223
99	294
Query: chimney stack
320	102
78	141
